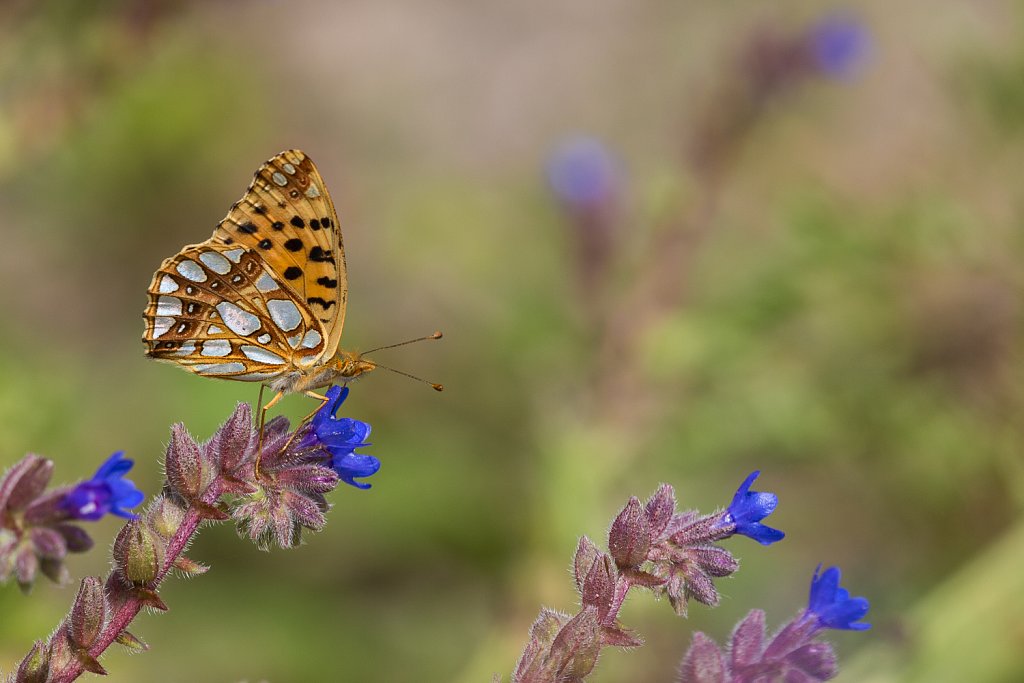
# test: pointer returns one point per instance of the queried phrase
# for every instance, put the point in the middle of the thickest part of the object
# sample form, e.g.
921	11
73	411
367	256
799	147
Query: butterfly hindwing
221	310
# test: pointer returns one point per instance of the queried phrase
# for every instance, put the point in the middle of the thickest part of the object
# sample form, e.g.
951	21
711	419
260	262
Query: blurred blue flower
106	492
341	436
839	45
747	510
832	606
582	172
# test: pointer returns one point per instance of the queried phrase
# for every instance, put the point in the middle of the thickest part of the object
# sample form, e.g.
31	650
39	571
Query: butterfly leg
263	420
323	401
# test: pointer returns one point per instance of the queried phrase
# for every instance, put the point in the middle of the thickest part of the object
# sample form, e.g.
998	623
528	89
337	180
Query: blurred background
666	242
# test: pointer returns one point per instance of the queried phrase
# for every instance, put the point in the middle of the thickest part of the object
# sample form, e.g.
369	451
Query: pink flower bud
629	539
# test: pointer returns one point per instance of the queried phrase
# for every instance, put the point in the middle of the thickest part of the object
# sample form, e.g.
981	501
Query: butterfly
263	300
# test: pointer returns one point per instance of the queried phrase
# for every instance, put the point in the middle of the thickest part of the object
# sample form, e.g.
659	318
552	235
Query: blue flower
582	172
107	492
839	45
832	606
341	436
747	510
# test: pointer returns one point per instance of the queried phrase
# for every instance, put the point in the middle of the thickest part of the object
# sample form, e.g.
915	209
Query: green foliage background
850	324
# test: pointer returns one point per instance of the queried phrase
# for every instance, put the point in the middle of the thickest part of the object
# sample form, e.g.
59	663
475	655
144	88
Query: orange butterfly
263	300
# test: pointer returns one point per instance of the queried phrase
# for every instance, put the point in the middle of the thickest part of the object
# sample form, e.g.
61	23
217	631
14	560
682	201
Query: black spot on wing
320	255
292	273
317	300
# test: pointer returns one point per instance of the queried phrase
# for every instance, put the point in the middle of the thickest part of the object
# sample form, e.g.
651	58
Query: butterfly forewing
265	296
287	217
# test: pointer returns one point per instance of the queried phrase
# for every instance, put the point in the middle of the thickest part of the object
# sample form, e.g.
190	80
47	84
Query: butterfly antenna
435	335
435	386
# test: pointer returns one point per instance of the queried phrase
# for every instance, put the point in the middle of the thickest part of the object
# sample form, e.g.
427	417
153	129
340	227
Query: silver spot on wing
311	340
218	368
285	314
216	347
261	355
187	349
215	262
161	325
168	285
238	321
168	305
191	270
265	283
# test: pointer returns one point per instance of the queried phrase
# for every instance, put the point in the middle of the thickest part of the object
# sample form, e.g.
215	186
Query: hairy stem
130	608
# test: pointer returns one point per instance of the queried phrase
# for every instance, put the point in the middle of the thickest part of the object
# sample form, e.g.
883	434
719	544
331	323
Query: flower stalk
211	482
650	546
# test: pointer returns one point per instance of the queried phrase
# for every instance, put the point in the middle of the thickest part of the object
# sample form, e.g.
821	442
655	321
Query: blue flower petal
123	513
344	429
115	466
582	172
125	494
108	492
341	436
840	44
336	395
832	605
762	533
747	510
87	501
